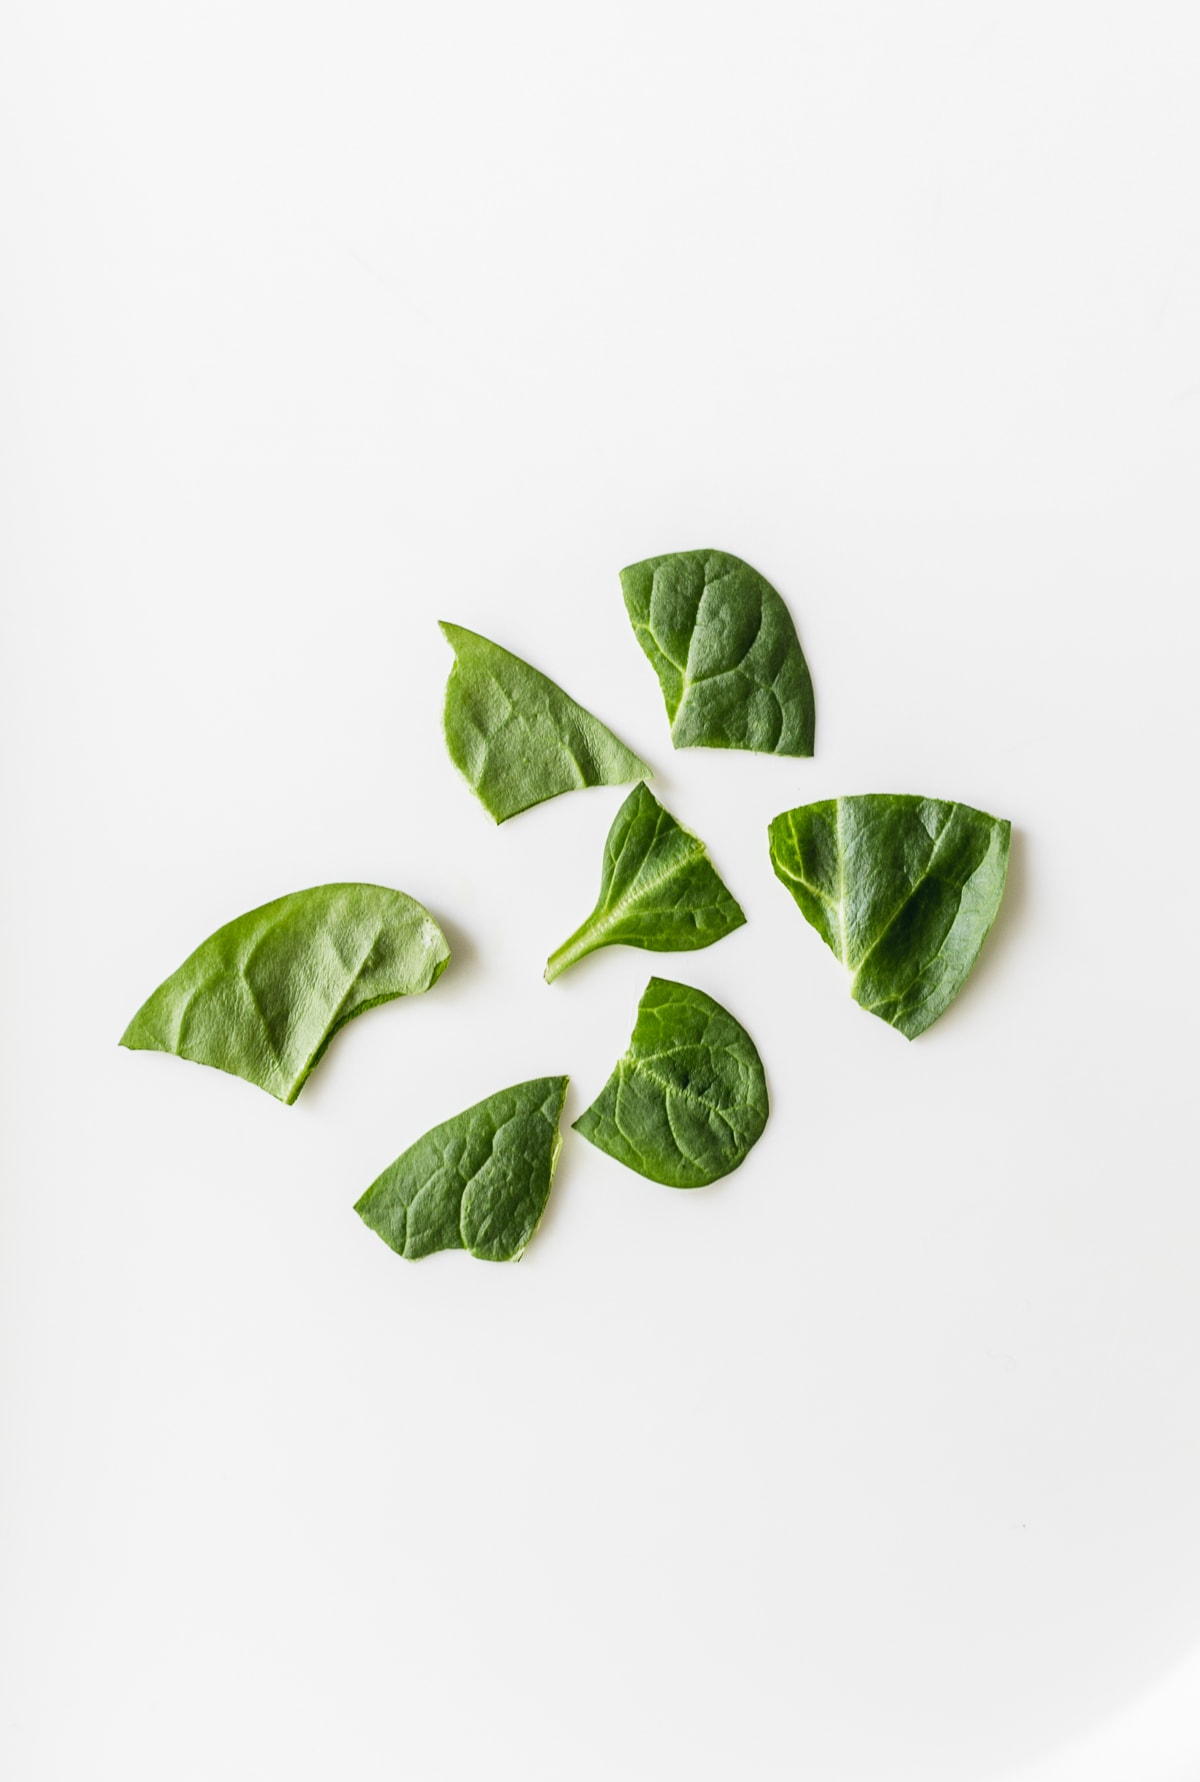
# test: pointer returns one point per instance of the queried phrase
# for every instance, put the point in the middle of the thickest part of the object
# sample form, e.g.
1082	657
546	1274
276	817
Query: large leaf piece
725	651
903	890
477	1182
516	737
658	889
263	996
689	1099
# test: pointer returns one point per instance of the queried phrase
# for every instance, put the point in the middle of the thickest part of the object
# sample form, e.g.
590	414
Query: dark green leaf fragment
725	651
477	1182
263	996
516	737
902	889
658	889
688	1101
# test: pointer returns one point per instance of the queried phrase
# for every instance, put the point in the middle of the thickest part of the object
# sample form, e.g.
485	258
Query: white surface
880	1460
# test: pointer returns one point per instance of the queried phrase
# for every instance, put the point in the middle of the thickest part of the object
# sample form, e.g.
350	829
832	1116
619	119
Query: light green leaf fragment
263	996
688	1101
477	1182
902	890
658	889
517	738
725	651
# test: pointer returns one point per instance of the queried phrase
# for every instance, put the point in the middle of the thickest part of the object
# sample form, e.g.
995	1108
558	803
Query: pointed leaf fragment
516	737
479	1181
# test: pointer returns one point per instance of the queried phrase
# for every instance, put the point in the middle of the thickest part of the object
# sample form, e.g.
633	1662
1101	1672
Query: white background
879	1460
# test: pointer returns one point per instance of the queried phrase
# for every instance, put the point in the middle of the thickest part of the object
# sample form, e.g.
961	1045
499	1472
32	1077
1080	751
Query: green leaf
477	1182
689	1099
263	996
516	737
658	889
903	890
725	651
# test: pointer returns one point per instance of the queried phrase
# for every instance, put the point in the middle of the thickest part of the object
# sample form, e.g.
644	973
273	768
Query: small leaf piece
263	996
477	1182
658	889
725	651
903	890
516	737
688	1101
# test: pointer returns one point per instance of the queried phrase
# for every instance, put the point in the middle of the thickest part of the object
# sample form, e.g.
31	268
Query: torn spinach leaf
902	889
725	651
516	737
263	996
477	1182
658	889
688	1101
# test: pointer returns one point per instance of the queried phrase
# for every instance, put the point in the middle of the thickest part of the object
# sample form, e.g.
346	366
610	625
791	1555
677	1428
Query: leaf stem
573	949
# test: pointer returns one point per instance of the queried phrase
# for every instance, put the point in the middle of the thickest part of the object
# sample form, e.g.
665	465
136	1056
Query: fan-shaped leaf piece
902	890
263	996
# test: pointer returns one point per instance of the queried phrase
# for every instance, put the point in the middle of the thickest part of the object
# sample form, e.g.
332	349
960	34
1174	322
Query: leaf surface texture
263	996
725	651
477	1182
658	889
516	737
903	890
688	1101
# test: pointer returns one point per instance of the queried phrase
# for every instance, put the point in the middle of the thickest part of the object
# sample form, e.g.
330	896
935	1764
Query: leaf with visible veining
689	1099
263	996
658	889
725	651
477	1182
516	737
902	890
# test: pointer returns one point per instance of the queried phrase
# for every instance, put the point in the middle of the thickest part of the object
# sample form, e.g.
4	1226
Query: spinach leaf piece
263	996
478	1182
725	651
689	1099
658	889
516	737
903	890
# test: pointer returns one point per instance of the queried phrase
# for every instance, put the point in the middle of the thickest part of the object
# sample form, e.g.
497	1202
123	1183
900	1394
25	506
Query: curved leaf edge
375	1002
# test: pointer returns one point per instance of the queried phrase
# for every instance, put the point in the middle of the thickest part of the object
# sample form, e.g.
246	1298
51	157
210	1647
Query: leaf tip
133	1040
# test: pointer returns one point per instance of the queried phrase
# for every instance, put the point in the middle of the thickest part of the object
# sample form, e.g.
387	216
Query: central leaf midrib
643	888
691	680
909	894
841	905
690	1096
